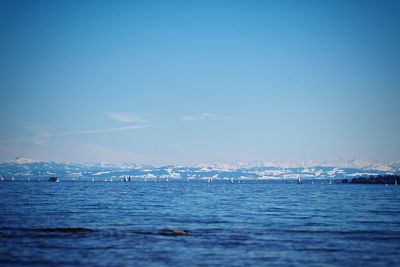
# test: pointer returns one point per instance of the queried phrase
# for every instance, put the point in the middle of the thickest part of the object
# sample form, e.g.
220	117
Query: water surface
198	224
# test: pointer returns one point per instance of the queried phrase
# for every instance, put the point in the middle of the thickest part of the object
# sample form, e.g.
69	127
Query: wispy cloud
205	116
126	117
110	130
40	134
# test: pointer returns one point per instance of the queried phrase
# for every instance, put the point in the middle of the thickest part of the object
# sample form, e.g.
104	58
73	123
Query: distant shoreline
379	179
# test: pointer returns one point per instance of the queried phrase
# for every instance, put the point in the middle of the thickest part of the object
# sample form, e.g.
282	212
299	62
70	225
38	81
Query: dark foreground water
198	224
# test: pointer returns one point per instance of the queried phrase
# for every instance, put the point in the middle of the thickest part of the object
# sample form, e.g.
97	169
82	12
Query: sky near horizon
186	82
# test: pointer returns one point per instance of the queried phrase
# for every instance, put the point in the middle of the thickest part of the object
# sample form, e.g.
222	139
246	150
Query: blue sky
186	82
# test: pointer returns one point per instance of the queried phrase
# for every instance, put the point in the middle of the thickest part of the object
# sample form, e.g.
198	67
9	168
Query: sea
198	224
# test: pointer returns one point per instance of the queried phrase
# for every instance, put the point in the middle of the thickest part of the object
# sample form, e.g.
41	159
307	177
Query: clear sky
187	82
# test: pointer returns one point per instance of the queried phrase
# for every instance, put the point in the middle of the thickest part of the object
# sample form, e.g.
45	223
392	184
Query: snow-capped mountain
24	168
22	160
340	163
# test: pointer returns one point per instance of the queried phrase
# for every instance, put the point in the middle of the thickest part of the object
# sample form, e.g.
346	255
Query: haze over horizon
339	163
190	82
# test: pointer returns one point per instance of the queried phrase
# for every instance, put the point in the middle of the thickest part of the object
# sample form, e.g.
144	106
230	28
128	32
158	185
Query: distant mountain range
26	169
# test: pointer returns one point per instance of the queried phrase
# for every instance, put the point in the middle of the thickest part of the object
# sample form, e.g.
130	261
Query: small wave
338	232
162	232
320	249
169	232
64	230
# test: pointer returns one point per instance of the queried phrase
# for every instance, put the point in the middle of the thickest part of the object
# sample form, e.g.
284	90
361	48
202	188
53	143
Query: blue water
217	224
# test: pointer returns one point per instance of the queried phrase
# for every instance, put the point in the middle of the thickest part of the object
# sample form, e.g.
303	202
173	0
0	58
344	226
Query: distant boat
330	181
127	179
54	179
231	180
299	180
2	178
